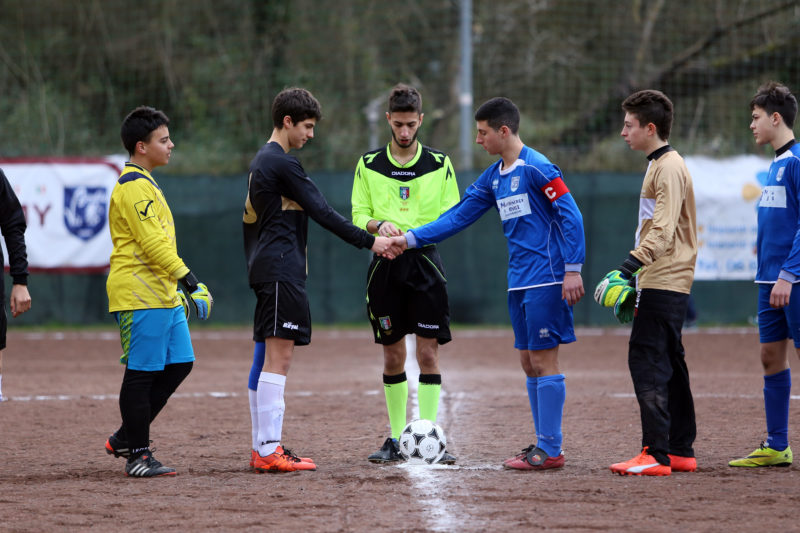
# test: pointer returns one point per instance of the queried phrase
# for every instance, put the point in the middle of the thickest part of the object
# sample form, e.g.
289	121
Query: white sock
270	411
253	396
1	386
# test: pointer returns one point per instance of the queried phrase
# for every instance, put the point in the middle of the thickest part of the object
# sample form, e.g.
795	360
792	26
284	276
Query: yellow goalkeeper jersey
145	265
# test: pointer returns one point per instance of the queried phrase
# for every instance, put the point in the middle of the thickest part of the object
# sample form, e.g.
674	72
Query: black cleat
117	448
389	453
447	459
146	466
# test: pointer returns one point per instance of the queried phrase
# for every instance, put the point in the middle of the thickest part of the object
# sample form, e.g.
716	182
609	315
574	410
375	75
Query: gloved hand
184	302
625	305
609	289
198	292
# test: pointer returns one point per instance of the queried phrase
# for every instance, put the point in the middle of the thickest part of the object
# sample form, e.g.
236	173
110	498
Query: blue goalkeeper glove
198	292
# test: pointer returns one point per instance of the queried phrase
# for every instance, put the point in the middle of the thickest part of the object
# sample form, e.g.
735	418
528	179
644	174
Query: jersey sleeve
792	176
138	207
569	218
478	199
309	197
360	198
12	225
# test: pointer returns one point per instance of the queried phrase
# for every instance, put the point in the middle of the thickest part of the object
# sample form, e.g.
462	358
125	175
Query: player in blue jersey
544	230
774	109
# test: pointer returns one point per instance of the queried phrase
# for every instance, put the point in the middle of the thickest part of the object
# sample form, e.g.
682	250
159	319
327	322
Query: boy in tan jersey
662	264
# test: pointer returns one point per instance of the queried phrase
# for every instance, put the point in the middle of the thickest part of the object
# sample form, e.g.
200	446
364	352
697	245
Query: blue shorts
154	338
778	324
540	317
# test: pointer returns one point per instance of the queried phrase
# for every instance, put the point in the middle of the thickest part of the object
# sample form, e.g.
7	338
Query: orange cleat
279	449
641	465
281	462
680	463
287	451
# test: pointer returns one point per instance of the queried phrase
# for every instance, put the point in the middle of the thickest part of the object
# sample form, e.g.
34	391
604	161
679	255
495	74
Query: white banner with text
66	208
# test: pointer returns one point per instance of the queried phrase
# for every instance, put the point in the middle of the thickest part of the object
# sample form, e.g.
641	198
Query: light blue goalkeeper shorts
540	317
154	338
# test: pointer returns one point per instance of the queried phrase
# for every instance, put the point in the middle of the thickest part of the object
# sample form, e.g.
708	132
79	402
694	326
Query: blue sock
533	398
552	392
258	364
777	389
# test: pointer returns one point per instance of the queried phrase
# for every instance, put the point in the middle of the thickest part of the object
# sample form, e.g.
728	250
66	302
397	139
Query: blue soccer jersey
541	221
778	241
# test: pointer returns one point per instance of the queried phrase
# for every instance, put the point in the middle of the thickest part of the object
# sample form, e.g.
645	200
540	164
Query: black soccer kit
12	224
280	199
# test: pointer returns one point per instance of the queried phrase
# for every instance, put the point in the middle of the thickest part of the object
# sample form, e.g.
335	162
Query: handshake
198	293
390	241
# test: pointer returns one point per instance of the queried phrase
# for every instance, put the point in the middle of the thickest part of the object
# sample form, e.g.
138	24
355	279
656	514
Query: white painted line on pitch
365	334
441	513
453	397
708	395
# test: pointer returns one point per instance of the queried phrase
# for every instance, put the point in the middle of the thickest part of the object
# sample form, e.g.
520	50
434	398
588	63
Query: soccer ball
422	442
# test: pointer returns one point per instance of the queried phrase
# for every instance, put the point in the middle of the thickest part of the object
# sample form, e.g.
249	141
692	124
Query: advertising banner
727	192
66	208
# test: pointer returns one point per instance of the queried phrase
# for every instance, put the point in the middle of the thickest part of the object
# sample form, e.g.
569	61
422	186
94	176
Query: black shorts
408	295
282	311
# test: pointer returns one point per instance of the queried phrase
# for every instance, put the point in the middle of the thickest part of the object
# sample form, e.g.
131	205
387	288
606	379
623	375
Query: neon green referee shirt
407	195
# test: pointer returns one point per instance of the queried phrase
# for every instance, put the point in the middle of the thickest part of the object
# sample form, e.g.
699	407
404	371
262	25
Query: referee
400	186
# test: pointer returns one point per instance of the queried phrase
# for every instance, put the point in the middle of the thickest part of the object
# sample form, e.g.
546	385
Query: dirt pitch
55	476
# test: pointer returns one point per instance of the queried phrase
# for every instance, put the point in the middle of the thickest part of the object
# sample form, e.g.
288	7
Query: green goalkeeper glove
609	289
625	305
184	302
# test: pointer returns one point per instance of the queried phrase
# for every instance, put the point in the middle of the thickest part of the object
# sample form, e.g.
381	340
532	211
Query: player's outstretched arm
20	300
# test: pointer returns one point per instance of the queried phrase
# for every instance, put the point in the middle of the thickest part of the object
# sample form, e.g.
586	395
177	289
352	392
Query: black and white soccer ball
422	442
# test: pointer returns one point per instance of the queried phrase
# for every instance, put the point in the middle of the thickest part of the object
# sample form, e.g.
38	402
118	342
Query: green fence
208	219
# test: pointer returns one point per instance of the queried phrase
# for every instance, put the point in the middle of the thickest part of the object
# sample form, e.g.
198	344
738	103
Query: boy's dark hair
774	97
405	98
651	106
499	112
139	125
299	104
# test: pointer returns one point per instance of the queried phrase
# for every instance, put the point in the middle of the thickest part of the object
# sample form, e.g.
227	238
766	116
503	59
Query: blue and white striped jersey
541	221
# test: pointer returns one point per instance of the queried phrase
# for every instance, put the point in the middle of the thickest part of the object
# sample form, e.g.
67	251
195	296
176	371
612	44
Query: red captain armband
555	189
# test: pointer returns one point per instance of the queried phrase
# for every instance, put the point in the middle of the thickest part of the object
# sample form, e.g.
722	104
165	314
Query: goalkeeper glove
182	296
609	289
625	305
199	294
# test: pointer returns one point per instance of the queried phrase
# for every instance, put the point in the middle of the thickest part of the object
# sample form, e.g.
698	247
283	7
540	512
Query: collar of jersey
515	164
413	160
133	167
